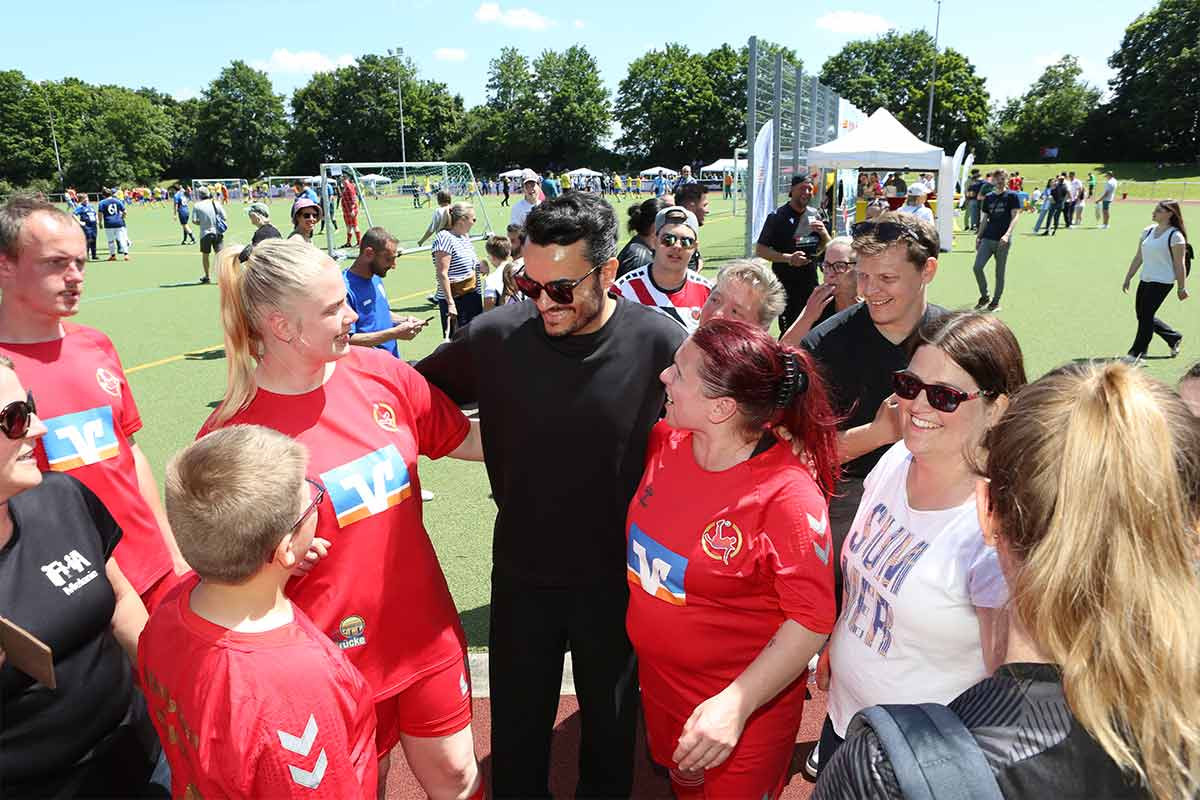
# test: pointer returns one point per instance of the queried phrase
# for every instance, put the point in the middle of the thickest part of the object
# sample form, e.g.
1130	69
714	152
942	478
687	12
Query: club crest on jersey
108	382
368	485
659	571
351	631
75	440
385	416
721	540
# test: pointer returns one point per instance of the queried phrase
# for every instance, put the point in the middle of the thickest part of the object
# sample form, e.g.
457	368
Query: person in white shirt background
1106	199
1162	256
522	207
922	616
914	203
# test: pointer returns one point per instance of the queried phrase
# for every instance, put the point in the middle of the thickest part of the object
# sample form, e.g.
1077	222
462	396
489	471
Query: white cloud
184	94
450	54
853	22
578	24
522	18
303	62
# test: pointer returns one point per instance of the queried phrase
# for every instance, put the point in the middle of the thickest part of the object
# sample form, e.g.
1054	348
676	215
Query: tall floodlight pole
933	76
62	180
400	94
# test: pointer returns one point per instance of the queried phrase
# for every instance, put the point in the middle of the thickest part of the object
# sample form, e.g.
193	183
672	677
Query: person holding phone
377	325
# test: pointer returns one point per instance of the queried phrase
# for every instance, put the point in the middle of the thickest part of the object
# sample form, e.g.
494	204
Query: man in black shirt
972	196
1001	209
793	239
862	346
568	390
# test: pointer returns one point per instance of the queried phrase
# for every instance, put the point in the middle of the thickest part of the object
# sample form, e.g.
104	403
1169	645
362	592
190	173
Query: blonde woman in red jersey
378	592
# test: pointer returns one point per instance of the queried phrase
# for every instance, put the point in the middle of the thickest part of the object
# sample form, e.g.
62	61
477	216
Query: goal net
279	187
400	196
237	188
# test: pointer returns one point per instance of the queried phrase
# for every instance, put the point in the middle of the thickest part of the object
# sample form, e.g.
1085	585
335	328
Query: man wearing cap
528	202
209	217
914	203
792	239
306	214
260	218
667	285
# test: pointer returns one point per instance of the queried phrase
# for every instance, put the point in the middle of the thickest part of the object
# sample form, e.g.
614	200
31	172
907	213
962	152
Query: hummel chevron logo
300	744
310	780
818	527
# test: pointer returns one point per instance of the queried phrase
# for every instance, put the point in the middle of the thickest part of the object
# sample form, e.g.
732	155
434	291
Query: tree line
674	105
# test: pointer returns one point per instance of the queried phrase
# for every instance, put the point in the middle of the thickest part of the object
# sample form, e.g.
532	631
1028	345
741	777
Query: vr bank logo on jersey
85	437
656	569
368	485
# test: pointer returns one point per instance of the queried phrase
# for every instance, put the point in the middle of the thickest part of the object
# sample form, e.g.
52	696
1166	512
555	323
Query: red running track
649	782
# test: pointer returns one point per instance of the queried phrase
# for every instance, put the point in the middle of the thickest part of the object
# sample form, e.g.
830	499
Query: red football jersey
84	400
682	305
716	562
280	713
380	595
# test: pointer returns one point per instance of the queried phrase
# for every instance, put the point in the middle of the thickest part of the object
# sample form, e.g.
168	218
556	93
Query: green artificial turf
1063	299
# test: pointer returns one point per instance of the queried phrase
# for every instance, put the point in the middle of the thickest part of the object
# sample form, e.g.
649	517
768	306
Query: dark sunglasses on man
560	291
670	240
15	417
944	398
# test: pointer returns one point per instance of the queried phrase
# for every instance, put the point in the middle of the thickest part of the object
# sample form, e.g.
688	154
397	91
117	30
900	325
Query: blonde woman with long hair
1091	496
376	589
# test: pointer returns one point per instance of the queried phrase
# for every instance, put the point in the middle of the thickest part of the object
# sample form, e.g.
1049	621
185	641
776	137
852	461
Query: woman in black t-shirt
1091	496
59	582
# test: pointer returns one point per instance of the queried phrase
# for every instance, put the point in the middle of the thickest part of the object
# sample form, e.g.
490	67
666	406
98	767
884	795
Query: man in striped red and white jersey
667	285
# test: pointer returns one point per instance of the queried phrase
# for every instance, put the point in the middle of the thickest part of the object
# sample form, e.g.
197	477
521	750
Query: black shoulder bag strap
932	753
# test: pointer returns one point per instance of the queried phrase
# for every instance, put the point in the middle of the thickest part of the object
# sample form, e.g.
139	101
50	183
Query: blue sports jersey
87	215
370	302
181	202
113	212
311	195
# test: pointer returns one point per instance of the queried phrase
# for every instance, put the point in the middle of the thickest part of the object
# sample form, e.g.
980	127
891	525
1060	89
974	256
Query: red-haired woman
729	560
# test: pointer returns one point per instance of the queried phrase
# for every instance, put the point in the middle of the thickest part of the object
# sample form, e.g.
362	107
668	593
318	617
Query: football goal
279	187
402	196
236	188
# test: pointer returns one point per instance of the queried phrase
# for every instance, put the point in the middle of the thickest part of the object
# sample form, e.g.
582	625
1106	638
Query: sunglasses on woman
670	239
560	291
15	417
944	398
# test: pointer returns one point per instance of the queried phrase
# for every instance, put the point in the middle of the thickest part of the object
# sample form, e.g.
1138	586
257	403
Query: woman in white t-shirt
459	296
1162	258
921	613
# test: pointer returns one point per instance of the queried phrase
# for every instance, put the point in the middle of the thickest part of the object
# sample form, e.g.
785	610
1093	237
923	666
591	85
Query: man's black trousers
531	629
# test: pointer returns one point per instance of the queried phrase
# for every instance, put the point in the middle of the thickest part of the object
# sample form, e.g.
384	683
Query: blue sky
179	47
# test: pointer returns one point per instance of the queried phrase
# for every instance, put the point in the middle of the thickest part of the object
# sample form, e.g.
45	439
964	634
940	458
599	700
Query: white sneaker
426	495
813	760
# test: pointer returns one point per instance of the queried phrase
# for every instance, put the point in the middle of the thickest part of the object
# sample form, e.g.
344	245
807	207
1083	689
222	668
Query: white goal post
400	196
238	188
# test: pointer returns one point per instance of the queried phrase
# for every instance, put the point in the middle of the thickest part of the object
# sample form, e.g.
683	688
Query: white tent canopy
725	165
881	141
373	178
512	173
650	173
584	172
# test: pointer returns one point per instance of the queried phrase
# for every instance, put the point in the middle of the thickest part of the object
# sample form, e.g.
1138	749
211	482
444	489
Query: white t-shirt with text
908	631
